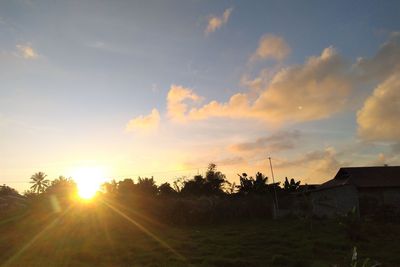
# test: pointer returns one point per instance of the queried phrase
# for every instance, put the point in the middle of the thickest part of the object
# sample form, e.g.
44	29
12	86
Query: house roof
361	177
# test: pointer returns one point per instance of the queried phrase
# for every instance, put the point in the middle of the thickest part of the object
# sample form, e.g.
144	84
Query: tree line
202	198
213	183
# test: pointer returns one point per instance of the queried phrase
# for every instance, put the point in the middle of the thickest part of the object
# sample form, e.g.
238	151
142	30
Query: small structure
368	189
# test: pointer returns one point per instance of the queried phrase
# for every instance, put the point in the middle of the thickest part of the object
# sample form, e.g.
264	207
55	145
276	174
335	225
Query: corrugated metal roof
385	176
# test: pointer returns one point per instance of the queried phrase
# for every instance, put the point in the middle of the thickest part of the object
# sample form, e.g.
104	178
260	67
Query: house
368	189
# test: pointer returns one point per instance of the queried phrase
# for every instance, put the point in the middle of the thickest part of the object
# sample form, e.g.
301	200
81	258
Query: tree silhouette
179	183
165	189
291	186
214	180
126	186
230	188
260	184
249	185
110	187
246	184
212	184
194	187
62	186
8	191
146	186
39	181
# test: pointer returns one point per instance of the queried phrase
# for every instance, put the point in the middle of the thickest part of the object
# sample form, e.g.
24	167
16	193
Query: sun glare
88	180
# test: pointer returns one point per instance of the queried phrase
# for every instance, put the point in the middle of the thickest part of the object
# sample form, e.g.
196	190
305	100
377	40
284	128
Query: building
370	190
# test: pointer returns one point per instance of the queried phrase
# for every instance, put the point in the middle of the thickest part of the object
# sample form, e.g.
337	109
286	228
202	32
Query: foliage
62	187
214	180
39	181
291	186
230	188
211	185
7	191
126	186
165	189
351	224
179	183
249	185
146	186
194	187
366	263
110	188
30	194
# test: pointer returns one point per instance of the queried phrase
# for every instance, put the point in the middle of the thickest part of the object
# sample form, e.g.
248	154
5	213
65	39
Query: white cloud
378	119
271	47
27	51
146	123
216	22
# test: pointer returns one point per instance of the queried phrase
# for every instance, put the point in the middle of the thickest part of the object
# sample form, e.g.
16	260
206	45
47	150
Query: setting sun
88	180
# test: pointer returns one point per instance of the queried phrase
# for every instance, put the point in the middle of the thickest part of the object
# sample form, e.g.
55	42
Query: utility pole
273	182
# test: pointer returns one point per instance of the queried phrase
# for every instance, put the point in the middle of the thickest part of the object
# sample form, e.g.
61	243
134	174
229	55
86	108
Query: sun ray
146	231
35	238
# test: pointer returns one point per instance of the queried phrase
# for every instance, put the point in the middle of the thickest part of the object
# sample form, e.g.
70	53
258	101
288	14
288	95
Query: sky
163	88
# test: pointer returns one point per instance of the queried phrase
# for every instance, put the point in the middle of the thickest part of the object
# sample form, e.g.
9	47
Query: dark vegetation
203	221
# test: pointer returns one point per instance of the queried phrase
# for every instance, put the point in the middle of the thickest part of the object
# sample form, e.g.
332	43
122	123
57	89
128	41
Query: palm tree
39	181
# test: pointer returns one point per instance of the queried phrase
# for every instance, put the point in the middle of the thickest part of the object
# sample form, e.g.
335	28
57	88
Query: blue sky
80	79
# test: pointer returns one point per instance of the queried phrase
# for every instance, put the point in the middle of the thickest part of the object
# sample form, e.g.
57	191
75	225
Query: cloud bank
319	88
315	90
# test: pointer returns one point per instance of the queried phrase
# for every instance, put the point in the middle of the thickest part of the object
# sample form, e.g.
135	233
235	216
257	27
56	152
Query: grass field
101	235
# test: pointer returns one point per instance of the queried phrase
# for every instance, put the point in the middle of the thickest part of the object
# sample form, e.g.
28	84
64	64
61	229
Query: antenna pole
273	181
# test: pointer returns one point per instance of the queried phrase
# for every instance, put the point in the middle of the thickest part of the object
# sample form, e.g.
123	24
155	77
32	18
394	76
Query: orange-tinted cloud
216	22
146	123
315	90
271	47
320	165
378	119
274	143
27	51
176	102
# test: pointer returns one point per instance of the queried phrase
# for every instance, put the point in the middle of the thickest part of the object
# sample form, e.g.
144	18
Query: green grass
95	235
